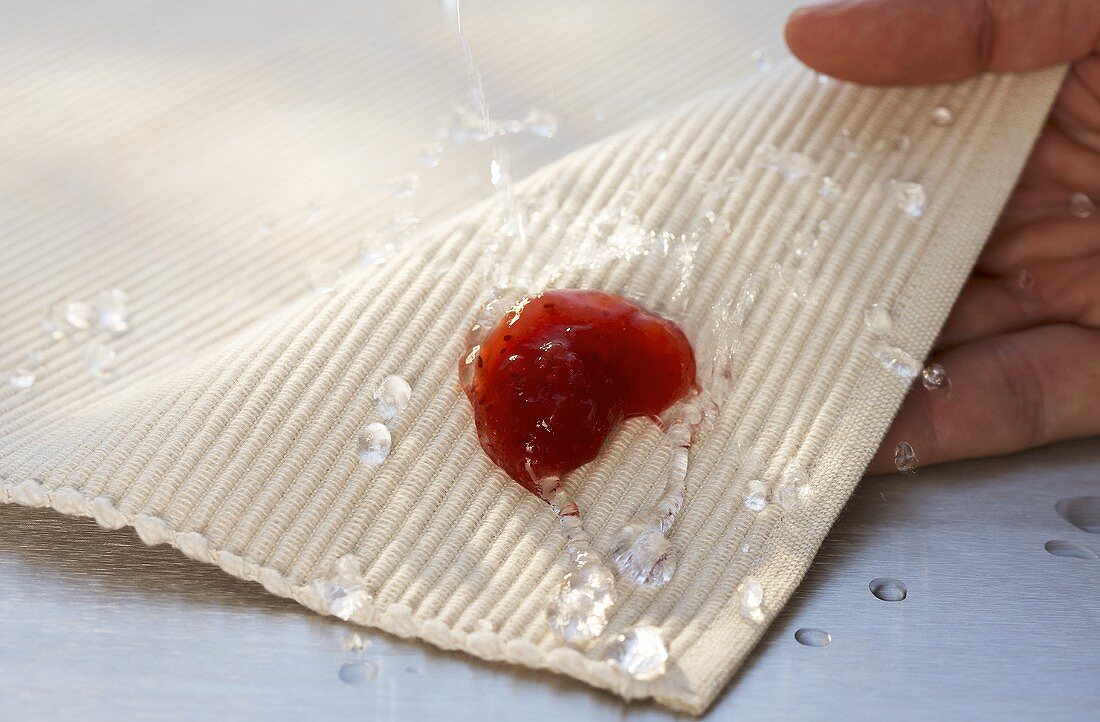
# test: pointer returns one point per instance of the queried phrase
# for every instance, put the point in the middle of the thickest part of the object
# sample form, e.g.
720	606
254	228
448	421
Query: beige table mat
228	426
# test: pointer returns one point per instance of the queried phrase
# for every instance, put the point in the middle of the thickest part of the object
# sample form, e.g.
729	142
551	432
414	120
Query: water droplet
375	250
792	165
888	590
756	498
830	189
1025	279
1081	511
761	60
898	362
822	78
750	596
640	652
905	459
787	495
942	117
348	567
497	175
405	223
934	376
324	277
78	315
314	211
110	310
392	396
358	672
100	359
541	123
1081	206
374	444
22	378
642	553
813	637
846	143
354	643
580	607
795	475
794	281
1069	549
55	326
405	186
803	244
878	319
909	197
345	593
265	229
431	154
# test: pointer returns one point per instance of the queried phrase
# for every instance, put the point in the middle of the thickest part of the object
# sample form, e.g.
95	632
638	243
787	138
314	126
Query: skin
1023	359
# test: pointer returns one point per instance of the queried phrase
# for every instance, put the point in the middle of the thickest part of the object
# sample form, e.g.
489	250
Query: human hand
1022	344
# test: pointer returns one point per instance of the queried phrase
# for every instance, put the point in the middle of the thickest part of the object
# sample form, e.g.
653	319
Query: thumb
893	42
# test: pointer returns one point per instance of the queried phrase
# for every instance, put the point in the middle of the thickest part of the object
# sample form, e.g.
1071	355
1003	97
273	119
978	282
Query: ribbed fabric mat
245	457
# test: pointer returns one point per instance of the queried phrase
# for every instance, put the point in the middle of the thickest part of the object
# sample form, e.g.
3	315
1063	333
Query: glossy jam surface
556	374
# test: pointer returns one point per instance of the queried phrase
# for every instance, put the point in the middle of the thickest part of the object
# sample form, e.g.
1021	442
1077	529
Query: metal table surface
94	625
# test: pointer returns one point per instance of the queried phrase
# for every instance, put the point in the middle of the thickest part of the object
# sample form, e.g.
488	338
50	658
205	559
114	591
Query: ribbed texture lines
246	456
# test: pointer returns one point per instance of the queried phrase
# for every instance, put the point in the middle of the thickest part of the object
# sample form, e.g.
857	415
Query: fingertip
831	38
799	34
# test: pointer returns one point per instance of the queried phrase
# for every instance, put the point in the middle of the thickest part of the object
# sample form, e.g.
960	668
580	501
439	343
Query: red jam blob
553	378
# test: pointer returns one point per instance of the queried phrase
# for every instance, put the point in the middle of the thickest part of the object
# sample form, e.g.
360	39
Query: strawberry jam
556	374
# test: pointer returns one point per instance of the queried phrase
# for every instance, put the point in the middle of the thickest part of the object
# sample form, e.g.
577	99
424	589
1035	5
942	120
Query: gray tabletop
94	625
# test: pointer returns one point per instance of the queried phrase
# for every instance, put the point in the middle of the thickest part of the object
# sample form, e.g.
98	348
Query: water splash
513	218
641	550
583	601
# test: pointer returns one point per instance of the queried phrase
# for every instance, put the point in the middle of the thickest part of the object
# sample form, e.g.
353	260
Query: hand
1022	345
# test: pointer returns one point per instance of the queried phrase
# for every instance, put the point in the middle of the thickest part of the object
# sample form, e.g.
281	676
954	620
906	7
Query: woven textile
143	159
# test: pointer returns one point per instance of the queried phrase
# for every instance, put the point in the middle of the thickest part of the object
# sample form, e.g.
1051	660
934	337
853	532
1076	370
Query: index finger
898	42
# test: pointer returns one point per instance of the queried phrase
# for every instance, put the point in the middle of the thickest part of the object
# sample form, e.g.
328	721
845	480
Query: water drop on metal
813	637
1069	549
888	589
1081	511
358	672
